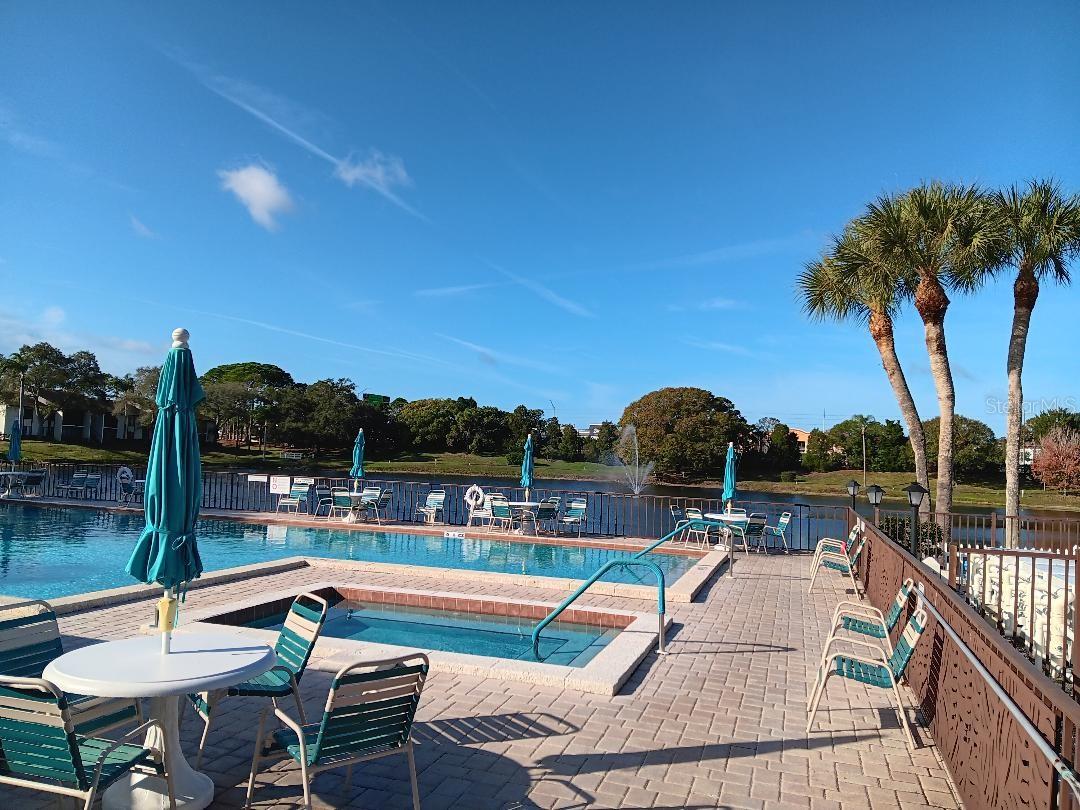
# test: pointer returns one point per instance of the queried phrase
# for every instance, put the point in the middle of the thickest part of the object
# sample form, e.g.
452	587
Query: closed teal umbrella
527	466
14	452
167	551
357	470
729	476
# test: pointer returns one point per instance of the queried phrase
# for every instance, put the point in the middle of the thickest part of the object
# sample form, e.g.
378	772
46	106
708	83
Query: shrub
787	476
931	536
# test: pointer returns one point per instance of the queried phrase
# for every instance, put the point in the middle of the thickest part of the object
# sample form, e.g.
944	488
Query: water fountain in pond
627	458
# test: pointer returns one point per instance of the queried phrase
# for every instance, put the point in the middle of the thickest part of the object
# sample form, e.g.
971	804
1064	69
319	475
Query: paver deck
717	722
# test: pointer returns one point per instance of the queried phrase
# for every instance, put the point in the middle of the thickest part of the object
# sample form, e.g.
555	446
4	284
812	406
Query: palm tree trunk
1025	293
932	304
881	329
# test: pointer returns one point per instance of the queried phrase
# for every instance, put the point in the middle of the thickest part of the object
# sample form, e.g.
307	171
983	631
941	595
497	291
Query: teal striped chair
29	641
839	561
295	643
867	621
434	508
501	513
297	498
369	715
875	669
40	749
780	529
837	546
576	514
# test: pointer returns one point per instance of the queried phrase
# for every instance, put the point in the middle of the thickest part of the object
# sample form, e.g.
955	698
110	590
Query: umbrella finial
180	338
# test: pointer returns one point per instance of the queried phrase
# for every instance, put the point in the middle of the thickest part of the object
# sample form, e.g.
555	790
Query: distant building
95	422
803	437
590	432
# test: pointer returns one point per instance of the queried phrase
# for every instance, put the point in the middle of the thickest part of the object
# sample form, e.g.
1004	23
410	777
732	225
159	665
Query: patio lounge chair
297	497
577	513
501	513
81	485
838	546
42	751
701	533
547	513
34	480
874	669
867	621
340	502
479	510
780	529
295	642
434	507
379	505
754	529
839	561
29	641
368	715
322	500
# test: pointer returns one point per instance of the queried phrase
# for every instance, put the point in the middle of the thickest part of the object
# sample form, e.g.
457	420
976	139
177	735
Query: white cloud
798	242
260	192
717	346
459	289
140	229
548	294
492	357
115	353
53	316
378	171
708	304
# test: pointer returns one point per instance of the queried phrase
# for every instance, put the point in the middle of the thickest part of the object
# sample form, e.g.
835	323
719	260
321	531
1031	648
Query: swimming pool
565	643
48	551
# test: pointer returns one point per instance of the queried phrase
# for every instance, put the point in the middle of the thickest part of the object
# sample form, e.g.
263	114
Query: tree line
922	245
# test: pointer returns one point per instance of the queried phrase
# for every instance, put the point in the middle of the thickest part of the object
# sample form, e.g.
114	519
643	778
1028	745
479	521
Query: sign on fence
279	484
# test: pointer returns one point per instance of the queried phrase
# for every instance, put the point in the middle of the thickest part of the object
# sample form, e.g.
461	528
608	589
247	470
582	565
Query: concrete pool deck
718	722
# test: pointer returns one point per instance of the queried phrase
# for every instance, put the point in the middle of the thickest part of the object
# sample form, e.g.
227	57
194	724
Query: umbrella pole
167	618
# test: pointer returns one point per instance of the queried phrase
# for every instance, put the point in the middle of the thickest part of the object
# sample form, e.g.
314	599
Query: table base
194	790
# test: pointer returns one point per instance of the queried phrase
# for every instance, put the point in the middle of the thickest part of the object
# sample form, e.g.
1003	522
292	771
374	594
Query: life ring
125	476
474	496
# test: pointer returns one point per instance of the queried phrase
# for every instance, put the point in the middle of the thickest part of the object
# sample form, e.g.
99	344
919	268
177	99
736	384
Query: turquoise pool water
565	643
55	551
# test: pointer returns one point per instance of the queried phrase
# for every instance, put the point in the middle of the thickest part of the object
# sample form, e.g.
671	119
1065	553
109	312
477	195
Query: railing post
954	566
993	528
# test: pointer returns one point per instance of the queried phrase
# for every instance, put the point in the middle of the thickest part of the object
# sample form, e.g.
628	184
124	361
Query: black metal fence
609	514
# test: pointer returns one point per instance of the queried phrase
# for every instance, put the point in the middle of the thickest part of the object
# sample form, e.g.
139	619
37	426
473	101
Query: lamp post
915	494
874	494
853	491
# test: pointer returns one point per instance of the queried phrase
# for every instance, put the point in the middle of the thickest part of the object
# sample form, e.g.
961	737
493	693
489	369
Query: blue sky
559	204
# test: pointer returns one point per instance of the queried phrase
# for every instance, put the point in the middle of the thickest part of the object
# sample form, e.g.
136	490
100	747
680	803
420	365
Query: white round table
727	517
135	667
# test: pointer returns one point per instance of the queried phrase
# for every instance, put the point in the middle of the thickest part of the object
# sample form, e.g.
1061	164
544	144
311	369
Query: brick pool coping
605	674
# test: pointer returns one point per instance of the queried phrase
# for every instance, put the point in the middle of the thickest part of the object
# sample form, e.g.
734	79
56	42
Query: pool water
566	643
48	551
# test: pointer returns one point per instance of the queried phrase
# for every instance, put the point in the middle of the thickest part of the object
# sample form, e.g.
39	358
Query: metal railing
603	569
970	682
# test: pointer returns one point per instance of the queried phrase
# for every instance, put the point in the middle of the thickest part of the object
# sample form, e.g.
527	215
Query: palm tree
947	237
1044	233
845	285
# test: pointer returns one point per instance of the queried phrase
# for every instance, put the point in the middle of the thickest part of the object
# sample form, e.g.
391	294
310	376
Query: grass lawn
986	493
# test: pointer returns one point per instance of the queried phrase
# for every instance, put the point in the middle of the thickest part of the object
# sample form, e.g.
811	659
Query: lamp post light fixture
853	491
915	494
874	493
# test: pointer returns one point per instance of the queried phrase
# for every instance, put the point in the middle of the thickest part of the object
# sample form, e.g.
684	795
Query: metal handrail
603	569
1064	770
694	523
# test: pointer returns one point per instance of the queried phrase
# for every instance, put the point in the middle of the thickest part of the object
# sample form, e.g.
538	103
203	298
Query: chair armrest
854	608
872	647
117	743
